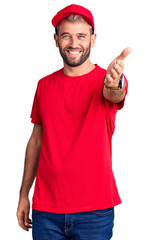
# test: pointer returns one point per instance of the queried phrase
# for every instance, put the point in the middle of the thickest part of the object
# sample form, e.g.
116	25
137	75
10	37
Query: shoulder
46	81
49	77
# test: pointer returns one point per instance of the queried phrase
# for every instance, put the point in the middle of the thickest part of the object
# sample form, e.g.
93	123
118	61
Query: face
74	42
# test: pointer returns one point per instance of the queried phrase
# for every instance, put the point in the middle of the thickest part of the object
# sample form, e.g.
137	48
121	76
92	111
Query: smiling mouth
73	53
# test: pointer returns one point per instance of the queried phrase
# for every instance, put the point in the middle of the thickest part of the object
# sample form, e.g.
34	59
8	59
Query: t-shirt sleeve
35	113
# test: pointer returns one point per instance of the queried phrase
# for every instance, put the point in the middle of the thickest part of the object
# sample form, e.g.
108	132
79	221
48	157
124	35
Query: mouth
74	52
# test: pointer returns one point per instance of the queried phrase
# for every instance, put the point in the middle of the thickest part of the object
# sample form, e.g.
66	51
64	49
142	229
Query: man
69	150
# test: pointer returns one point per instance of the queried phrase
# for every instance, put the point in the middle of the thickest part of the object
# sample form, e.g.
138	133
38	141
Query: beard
72	61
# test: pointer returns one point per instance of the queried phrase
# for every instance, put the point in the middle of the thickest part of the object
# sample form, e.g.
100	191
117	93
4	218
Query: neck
84	68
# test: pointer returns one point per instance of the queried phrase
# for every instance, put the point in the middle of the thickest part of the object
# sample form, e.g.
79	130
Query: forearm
30	167
114	96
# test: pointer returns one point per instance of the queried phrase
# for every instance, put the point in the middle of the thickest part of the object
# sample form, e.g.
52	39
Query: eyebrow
84	34
64	33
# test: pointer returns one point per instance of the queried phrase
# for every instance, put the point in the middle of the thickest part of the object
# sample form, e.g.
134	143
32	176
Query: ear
93	39
56	40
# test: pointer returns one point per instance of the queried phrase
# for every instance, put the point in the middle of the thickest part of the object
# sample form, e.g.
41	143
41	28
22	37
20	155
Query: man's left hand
115	69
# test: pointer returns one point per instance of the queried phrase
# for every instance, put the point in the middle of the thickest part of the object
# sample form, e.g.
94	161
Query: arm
30	171
111	81
114	96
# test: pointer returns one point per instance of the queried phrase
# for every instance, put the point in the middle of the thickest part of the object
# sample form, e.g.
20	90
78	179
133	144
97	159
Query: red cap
73	9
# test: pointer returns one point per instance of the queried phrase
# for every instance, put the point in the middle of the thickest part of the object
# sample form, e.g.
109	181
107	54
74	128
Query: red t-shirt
75	165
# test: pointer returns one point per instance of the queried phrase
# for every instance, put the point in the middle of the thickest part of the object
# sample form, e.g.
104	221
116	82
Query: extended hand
115	69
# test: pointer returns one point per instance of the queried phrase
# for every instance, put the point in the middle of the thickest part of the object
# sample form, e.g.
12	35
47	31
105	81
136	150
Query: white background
28	53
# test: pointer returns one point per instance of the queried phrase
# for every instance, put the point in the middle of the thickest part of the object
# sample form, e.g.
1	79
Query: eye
65	36
82	36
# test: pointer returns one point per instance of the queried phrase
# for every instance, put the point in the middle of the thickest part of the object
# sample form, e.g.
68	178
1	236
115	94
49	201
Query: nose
73	42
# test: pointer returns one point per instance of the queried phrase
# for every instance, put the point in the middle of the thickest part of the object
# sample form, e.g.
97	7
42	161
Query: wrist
120	86
24	193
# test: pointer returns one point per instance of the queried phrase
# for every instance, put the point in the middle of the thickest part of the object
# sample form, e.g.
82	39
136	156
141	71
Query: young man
70	148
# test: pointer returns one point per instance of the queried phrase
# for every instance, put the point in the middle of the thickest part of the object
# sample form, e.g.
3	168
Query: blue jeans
90	225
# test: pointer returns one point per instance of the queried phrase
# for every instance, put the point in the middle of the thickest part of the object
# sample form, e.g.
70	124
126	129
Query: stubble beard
72	62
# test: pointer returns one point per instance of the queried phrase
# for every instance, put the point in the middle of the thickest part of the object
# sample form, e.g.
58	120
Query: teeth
74	53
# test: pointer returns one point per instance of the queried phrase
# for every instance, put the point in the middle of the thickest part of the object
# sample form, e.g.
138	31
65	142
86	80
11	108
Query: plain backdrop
28	53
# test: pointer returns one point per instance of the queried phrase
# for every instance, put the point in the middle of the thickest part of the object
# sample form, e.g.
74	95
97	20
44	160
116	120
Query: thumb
124	53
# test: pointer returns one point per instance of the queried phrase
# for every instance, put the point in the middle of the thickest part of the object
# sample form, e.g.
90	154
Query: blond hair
74	18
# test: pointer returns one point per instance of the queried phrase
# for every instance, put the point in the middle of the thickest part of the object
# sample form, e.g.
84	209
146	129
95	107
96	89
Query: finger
27	219
109	78
30	221
114	74
21	222
125	53
109	81
118	69
120	63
